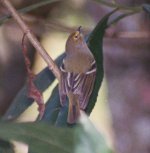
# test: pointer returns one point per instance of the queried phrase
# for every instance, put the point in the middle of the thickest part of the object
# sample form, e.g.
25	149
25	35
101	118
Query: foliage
44	138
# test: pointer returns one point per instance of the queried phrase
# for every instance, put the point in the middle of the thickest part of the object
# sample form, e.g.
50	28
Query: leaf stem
52	66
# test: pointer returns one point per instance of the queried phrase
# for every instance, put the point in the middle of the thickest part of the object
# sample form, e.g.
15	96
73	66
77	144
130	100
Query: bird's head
75	39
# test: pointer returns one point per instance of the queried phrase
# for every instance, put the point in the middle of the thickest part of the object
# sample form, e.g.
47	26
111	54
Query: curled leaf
33	91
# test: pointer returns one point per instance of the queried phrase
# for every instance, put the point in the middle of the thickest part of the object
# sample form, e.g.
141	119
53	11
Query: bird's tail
74	108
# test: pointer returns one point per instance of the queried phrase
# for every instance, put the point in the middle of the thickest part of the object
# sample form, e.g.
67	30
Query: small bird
78	72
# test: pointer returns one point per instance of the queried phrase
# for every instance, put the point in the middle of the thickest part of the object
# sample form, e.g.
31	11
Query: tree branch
52	66
28	9
135	9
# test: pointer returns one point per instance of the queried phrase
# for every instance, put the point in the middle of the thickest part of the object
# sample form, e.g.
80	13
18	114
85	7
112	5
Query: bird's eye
76	35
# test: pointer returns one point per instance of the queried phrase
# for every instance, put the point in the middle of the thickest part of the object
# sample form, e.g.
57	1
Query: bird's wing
63	87
78	84
85	86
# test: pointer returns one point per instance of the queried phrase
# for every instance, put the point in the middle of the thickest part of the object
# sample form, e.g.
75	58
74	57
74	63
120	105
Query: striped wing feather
78	84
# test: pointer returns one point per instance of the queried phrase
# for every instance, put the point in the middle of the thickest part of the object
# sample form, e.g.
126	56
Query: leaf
146	8
52	108
54	113
61	120
6	147
88	139
21	102
95	44
32	91
118	18
43	138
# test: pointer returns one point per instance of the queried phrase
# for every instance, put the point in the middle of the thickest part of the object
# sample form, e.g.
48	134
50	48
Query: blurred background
122	111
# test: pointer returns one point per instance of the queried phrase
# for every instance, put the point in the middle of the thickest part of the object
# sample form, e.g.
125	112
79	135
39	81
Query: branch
52	66
136	9
28	9
56	25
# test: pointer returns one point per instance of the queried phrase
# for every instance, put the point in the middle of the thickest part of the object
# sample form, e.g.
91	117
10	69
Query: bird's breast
78	64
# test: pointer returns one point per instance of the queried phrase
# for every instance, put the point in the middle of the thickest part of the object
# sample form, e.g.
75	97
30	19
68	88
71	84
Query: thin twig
56	25
28	9
136	9
52	66
112	4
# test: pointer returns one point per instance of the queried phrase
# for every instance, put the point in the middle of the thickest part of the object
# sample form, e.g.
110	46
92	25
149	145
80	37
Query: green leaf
88	139
6	147
43	138
118	18
54	113
52	108
95	44
146	8
21	102
61	120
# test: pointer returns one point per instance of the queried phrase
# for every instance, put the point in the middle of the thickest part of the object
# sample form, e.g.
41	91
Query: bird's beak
77	34
79	29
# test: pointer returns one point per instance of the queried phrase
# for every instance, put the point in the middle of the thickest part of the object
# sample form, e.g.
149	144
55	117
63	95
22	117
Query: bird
78	73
